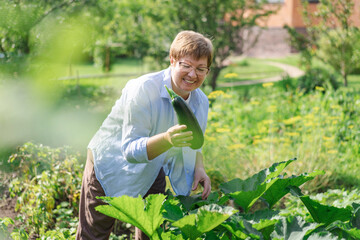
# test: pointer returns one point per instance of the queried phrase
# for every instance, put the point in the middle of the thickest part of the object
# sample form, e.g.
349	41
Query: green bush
318	78
47	188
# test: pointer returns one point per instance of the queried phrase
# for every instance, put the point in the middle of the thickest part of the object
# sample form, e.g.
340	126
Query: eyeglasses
200	71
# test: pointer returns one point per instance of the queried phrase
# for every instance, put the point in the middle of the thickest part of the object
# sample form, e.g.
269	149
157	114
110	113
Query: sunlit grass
248	69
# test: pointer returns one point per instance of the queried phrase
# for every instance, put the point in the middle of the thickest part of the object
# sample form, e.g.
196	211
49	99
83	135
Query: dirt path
289	70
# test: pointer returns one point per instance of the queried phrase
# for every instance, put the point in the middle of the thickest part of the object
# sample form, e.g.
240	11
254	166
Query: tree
20	17
137	28
226	22
331	36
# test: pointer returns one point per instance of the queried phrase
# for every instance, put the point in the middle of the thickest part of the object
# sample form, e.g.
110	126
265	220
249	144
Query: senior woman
141	142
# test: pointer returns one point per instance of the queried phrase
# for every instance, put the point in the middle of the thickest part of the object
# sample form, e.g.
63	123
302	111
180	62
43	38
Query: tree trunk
107	59
345	80
215	73
344	73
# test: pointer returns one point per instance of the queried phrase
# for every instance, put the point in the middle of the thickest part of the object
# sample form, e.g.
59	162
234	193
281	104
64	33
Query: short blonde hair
190	43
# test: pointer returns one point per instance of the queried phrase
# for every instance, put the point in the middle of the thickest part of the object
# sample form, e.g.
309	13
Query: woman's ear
172	61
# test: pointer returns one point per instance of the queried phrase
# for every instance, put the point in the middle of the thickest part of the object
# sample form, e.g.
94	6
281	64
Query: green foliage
184	217
4	225
49	200
132	210
334	39
19	18
340	49
131	28
322	213
319	129
48	194
317	77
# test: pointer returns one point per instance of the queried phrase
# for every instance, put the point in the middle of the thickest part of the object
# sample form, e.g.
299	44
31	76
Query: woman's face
187	74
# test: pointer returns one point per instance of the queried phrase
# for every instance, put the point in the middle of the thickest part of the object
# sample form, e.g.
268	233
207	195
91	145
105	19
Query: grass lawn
122	71
248	69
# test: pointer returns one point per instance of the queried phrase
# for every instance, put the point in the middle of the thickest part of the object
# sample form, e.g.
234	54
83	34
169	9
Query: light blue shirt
119	147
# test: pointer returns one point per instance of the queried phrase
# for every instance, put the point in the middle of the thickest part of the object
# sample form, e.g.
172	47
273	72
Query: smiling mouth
188	81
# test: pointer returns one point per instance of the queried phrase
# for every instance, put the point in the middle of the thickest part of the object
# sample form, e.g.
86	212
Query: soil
7	209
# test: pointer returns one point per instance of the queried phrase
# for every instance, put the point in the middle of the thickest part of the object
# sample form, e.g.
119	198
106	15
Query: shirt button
187	171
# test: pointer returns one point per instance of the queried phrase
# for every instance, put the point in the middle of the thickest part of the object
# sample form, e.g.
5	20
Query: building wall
289	13
274	41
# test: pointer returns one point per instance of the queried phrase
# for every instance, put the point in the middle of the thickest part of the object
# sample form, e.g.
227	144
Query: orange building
273	40
289	13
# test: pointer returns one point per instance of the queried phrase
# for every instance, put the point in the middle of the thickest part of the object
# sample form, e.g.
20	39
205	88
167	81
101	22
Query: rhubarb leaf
146	215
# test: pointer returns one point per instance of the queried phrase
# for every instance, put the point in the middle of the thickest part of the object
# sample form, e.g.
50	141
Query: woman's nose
192	73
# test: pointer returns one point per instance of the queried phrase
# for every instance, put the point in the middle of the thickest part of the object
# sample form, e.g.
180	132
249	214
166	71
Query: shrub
48	195
318	77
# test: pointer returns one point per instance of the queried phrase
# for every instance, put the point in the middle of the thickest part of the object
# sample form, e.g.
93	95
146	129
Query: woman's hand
201	177
177	137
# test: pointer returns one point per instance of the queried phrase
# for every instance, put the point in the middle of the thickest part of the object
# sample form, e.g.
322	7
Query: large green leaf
170	236
355	220
241	228
246	199
147	215
207	218
323	236
280	188
344	230
263	221
292	228
196	201
325	214
246	192
173	211
252	183
322	213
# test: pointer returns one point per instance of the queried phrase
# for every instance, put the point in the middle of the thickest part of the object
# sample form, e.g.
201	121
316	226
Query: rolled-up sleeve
136	127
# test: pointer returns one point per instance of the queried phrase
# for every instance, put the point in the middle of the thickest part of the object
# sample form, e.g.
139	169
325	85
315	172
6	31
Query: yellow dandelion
210	139
286	144
316	109
292	134
236	146
222	130
231	75
321	89
325	138
309	116
256	141
269	140
332	151
254	103
271	108
328	144
225	95
308	124
268	121
215	94
351	126
269	84
286	140
292	120
215	124
336	106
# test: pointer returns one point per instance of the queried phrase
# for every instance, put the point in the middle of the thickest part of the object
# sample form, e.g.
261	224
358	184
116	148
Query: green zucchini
186	117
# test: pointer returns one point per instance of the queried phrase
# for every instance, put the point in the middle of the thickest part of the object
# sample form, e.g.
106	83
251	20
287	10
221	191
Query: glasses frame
188	68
